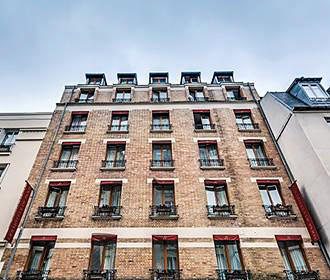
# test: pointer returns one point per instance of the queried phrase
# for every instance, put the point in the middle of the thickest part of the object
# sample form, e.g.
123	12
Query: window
194	78
10	137
127	81
196	95
56	200
256	154
233	94
86	97
224	78
208	153
115	156
160	121
314	91
244	121
119	122
203	120
159	80
162	155
228	255
165	256
78	122
123	96
103	252
159	95
163	199
69	156
2	169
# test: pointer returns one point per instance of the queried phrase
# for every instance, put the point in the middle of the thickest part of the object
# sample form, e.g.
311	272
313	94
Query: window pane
250	153
158	191
199	94
169	197
163	94
264	196
309	91
159	256
96	257
202	152
318	92
166	153
221	256
46	262
116	193
36	257
63	197
275	195
234	257
111	152
221	197
285	258
52	197
156	153
260	152
213	154
210	197
109	256
297	258
246	119
171	256
206	120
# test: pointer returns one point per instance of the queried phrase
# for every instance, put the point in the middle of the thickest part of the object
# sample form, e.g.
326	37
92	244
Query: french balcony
78	100
106	212
165	274
122	100
107	274
161	128
160	100
65	165
248	127
221	212
118	128
51	213
279	211
162	164
5	148
32	275
166	212
236	98
75	129
199	99
302	275
211	164
205	127
261	163
113	164
225	274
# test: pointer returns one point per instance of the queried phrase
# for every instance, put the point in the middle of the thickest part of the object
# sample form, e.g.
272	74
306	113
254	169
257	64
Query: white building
21	135
300	121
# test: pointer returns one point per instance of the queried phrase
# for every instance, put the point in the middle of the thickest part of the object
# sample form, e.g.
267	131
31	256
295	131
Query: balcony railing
118	128
163	210
161	127
278	210
160	100
106	211
247	126
113	163
162	163
75	128
32	275
198	99
69	164
165	274
220	211
320	100
122	100
210	126
78	100
261	162
302	275
107	274
236	98
211	162
225	274
5	148
51	212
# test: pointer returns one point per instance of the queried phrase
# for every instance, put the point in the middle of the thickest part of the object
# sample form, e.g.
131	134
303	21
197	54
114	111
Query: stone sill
161	131
272	167
274	217
74	132
63	169
57	218
162	168
99	218
215	217
164	217
117	132
205	130
212	168
112	168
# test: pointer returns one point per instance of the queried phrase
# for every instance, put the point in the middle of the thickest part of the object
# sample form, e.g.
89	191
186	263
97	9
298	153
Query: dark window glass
103	256
165	255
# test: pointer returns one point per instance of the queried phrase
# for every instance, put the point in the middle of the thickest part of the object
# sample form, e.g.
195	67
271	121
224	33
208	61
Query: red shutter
80	113
44	238
201	111
104	237
111	183
120	112
161	112
239	111
59	184
288	237
163	182
304	212
18	213
214	182
207	141
71	143
225	237
277	182
116	142
164	237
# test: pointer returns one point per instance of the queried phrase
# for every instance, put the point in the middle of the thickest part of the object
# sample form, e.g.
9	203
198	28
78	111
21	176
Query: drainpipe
286	165
35	189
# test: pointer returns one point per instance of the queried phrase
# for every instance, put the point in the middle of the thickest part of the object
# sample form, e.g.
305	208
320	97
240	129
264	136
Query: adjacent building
163	181
21	135
300	121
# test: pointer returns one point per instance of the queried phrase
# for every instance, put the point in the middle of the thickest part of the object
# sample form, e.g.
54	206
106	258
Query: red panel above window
44	238
161	112
116	142
201	111
164	237
120	112
288	237
111	183
71	143
225	237
214	182
163	182
239	111
207	141
59	184
277	182
104	237
252	141
80	113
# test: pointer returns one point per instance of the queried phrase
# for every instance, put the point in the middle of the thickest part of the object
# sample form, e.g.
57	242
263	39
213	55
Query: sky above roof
46	45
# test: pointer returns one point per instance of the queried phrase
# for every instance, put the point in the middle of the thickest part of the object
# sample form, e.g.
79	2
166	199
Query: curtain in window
221	256
46	263
210	194
116	192
163	94
167	153
36	257
96	257
109	256
275	195
285	259
234	257
111	153
221	196
159	256
199	94
297	258
54	192
156	152
203	152
105	196
171	257
158	191
260	152
213	154
206	121
168	197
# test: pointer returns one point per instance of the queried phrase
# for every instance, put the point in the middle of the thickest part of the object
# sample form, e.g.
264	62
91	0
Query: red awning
238	111
164	237
160	112
163	182
104	237
201	111
225	237
111	183
71	143
268	182
59	184
207	141
80	113
120	112
305	212
44	238
288	237
214	182
116	142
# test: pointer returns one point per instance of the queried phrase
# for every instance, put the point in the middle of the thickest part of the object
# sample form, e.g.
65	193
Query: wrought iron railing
261	162
122	100
236	98
107	274
210	126
75	128
320	100
199	99
165	274
247	126
106	211
302	275
161	127
278	210
32	275
211	162
220	211
5	148
65	164
225	274
51	212
78	100
113	163
117	128
163	210
162	163
160	100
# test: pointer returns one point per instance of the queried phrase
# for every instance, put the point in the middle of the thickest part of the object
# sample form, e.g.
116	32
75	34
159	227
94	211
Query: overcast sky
45	45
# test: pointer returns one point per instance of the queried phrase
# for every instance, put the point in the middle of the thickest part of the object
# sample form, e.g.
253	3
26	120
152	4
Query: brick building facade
169	180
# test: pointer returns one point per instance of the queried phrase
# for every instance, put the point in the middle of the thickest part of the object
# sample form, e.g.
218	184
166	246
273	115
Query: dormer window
190	77
158	78
314	91
96	79
223	77
127	79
